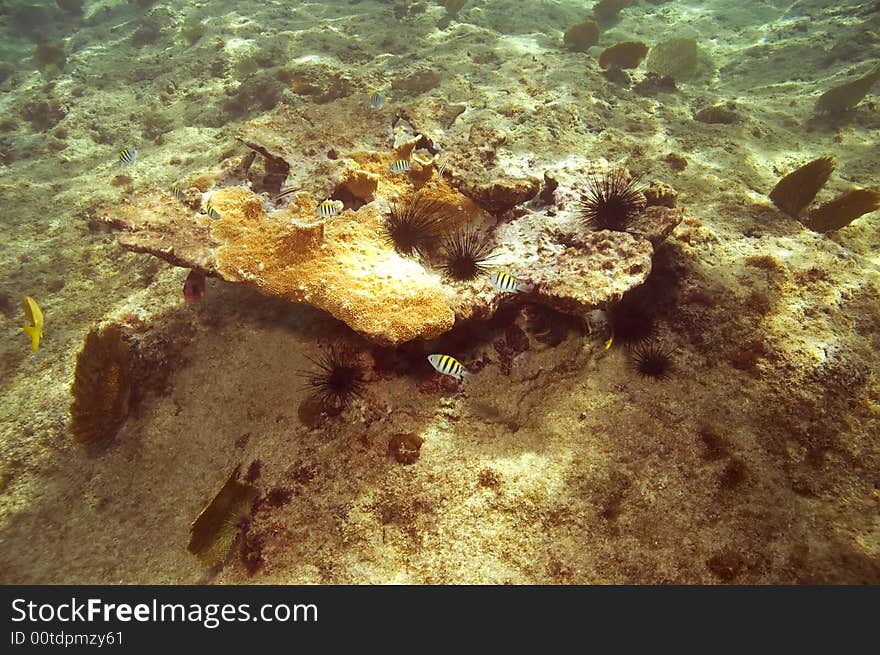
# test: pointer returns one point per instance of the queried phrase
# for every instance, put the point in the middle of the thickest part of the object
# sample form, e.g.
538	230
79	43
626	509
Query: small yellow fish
401	166
34	315
609	342
448	365
127	155
211	212
329	208
177	192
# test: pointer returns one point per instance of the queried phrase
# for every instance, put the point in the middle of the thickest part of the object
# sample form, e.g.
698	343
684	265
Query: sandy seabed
756	461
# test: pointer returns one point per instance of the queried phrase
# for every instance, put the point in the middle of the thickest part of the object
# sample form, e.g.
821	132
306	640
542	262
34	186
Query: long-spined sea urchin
466	253
337	380
413	223
611	201
652	360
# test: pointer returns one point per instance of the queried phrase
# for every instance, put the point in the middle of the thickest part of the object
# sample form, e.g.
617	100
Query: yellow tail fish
35	316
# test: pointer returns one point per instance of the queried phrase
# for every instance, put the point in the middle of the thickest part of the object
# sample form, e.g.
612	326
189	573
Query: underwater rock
628	54
418	81
580	37
289	137
717	115
600	266
102	386
342	266
652	84
405	447
660	194
797	189
656	222
346	264
845	96
497	196
320	81
843	210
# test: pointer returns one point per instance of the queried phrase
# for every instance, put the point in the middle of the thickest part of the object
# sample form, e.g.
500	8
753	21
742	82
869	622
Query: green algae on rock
101	386
843	210
797	189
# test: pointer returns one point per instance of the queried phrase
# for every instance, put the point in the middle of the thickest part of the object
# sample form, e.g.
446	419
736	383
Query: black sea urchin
466	253
338	379
412	224
611	201
652	360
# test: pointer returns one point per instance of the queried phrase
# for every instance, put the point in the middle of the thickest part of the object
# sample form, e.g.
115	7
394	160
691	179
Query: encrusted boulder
347	265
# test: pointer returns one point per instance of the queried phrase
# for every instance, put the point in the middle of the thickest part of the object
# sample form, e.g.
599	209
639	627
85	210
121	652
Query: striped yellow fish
211	212
127	155
377	100
401	166
177	192
507	283
329	208
448	365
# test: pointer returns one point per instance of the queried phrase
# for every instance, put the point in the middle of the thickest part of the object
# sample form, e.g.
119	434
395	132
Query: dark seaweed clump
72	7
338	379
413	224
101	386
797	189
652	360
50	57
466	254
611	201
